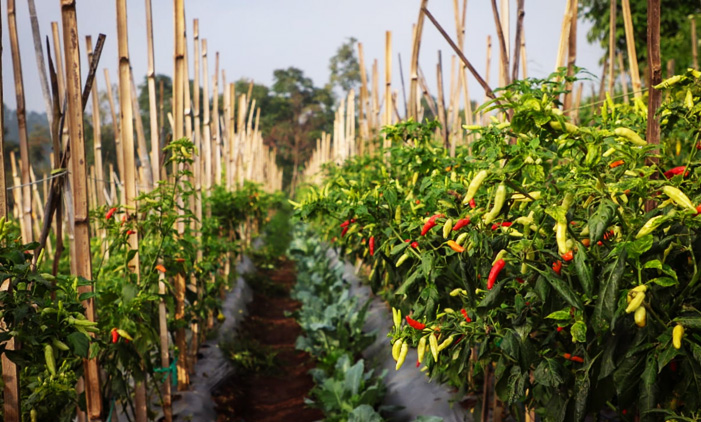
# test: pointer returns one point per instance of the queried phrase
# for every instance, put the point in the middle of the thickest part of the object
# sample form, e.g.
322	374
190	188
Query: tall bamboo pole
59	64
655	66
152	107
564	35
632	57
97	131
10	372
216	130
414	98
612	45
81	208
39	53
694	43
26	207
129	176
206	123
115	128
388	81
624	81
571	55
178	114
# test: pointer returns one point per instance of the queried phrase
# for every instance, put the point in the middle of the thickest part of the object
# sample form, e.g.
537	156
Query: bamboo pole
632	57
206	123
216	132
363	106
129	176
388	84
152	107
26	206
519	40
503	52
654	63
116	128
59	64
39	53
141	148
571	55
83	256
441	105
564	35
612	45
624	81
524	59
414	98
10	372
97	126
178	112
694	43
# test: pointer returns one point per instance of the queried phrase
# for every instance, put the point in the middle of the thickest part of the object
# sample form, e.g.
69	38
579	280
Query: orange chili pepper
454	246
161	268
616	163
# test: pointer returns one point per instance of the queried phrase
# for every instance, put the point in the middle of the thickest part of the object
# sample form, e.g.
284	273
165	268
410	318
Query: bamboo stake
178	111
388	84
216	132
129	175
571	55
152	107
26	205
39	53
116	128
414	99
363	106
487	72
503	53
59	63
624	81
612	45
632	57
206	124
523	56
441	105
97	131
141	149
375	110
519	40
83	256
564	34
670	68
603	78
694	43
655	66
10	372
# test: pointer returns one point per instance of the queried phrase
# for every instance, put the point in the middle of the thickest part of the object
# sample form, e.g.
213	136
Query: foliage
575	245
344	66
675	34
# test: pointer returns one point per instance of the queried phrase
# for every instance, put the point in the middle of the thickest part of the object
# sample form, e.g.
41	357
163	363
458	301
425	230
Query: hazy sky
255	37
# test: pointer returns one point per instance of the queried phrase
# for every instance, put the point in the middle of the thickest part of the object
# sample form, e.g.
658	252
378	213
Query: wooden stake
571	55
612	45
655	66
632	57
694	43
564	35
39	53
97	131
26	207
414	99
624	81
503	53
116	128
441	106
388	82
10	372
83	256
519	40
59	63
206	123
152	107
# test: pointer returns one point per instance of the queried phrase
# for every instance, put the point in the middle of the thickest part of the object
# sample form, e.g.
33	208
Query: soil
276	395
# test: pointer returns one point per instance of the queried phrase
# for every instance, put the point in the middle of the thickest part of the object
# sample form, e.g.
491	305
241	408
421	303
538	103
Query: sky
255	37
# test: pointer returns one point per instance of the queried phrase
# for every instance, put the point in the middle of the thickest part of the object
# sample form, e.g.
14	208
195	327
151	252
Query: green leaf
409	282
399	248
639	246
562	288
608	294
547	373
600	220
579	332
584	272
79	344
364	413
582	388
560	315
426	263
664	281
648	390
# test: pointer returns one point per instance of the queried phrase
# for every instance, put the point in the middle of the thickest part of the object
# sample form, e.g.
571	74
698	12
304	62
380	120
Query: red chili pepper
577	359
344	231
461	223
560	329
609	234
414	323
417	202
428	226
502	224
435	216
698	145
557	266
130	232
464	314
600	243
676	171
567	256
110	213
494	273
418	363
115	335
345	223
372	245
616	163
473	204
414	244
698	209
520	280
407	241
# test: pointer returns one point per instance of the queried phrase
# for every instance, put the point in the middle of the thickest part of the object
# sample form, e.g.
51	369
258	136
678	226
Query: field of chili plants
559	260
44	313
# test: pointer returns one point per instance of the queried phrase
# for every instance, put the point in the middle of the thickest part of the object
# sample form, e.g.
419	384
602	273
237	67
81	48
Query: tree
344	67
167	97
675	35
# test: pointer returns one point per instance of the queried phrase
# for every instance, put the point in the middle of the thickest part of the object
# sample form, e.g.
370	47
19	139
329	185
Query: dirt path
277	394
